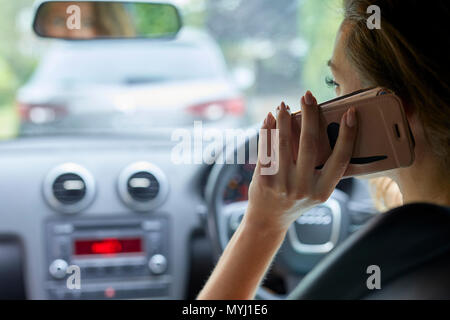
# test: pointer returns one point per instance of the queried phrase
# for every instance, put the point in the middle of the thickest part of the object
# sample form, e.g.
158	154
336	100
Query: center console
116	258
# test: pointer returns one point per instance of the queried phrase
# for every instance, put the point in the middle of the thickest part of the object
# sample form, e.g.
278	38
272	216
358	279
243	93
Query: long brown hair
409	55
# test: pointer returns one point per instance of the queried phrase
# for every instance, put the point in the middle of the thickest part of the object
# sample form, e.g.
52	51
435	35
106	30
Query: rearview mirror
84	20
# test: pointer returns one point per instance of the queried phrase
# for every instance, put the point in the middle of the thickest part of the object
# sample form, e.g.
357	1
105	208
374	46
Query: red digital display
110	246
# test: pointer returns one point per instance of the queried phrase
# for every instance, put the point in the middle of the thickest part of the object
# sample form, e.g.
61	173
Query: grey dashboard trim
142	166
66	168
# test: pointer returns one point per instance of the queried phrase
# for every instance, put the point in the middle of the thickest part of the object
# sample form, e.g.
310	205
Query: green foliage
15	65
319	21
9	122
156	19
8	83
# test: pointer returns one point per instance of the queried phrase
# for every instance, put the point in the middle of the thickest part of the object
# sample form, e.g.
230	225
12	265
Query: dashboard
114	218
114	207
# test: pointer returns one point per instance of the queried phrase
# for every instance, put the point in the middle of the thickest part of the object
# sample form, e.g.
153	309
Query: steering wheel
310	238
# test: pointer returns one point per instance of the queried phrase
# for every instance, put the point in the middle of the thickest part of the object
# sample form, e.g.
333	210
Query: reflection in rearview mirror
106	20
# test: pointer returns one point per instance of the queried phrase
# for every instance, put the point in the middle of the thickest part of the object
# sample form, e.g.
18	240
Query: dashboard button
58	269
157	264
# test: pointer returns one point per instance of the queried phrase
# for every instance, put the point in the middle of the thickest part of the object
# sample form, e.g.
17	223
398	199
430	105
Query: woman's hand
277	200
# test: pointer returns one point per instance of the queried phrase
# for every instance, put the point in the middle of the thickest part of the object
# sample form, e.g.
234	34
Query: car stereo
116	258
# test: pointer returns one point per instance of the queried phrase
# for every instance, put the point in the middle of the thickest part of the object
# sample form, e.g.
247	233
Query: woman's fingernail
288	109
351	118
309	98
270	119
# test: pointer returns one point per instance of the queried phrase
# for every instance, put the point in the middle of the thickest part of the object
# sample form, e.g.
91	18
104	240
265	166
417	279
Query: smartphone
384	140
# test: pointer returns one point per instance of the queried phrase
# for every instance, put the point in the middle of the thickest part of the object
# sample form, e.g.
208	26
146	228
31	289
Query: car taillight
215	110
40	113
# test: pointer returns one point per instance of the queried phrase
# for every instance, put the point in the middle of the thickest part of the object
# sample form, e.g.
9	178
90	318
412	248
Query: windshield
232	62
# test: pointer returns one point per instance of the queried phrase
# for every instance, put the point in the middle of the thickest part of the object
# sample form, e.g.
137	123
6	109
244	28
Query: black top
410	245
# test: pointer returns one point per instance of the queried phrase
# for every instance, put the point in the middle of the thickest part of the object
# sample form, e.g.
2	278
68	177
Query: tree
15	66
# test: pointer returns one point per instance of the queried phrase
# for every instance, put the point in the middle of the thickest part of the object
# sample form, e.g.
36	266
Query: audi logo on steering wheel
319	216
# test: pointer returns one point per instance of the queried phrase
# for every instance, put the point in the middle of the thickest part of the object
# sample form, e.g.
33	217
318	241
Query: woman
401	56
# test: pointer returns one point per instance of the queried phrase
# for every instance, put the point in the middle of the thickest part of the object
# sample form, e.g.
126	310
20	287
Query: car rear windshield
127	64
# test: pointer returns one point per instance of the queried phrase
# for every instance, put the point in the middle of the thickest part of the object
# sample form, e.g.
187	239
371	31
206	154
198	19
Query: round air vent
69	188
143	186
